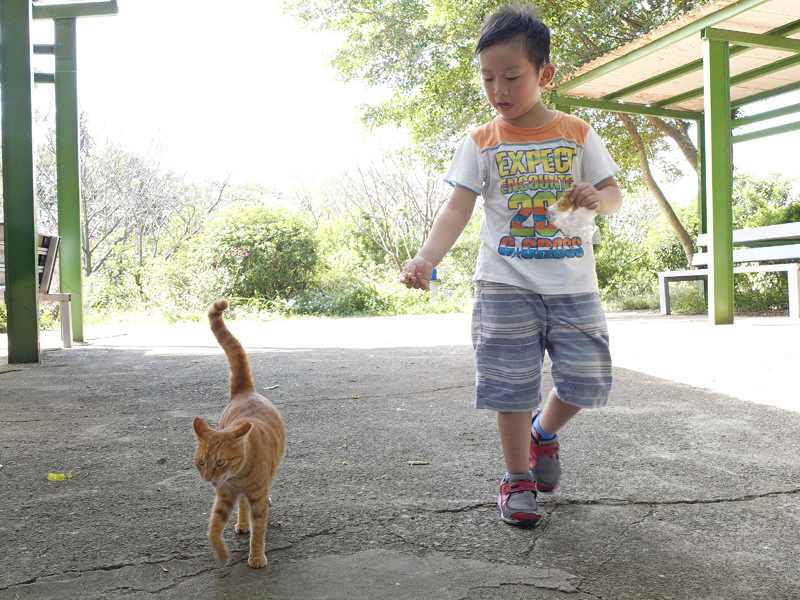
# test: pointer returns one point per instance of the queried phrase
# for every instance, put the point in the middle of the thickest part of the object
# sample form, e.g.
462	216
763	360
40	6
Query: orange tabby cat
240	460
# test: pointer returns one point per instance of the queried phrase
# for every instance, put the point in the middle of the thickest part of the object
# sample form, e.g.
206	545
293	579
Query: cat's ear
200	428
241	433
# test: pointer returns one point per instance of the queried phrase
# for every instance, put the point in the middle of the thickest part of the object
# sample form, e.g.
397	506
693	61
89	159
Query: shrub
266	252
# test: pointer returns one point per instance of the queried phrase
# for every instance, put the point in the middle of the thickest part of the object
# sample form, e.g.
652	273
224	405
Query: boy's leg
515	435
556	413
517	500
543	458
508	333
578	345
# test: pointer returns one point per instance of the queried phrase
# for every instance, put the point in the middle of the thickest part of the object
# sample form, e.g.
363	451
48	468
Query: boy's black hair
518	22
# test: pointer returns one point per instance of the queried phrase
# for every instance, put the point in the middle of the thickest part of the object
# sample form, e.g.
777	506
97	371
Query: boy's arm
445	231
604	198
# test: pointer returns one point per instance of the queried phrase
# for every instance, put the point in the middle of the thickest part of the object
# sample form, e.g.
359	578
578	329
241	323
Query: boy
535	286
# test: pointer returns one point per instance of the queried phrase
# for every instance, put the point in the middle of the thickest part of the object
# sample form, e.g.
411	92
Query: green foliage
3	317
183	287
759	202
266	252
343	261
48	316
458	266
115	287
424	51
245	251
638	243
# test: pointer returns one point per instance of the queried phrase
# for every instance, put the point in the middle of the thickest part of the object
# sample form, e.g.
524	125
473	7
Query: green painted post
719	175
702	204
19	187
68	170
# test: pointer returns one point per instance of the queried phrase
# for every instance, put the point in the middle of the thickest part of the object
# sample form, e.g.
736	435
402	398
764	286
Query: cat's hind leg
259	510
243	519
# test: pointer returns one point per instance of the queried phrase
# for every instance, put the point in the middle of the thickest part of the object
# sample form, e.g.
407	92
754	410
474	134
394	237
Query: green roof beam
775	67
72	10
791	87
752	40
633	109
762	133
660	44
696	65
765	116
657	80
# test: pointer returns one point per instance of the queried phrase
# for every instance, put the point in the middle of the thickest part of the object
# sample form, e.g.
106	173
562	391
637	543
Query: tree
130	204
423	50
392	202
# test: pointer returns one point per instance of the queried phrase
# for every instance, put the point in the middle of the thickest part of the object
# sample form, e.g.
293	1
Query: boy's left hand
585	195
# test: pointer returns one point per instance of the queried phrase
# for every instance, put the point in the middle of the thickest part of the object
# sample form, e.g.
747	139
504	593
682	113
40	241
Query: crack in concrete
628	502
35	580
623	533
176	581
460	509
538	586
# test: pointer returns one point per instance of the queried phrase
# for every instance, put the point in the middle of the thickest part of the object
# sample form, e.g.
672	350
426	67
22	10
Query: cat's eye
220	462
201	463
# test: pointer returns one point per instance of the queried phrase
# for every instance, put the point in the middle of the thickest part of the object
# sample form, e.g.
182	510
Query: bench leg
663	295
794	293
66	322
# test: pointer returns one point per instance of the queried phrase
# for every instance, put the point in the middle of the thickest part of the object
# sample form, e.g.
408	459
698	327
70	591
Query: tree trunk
675	223
679	132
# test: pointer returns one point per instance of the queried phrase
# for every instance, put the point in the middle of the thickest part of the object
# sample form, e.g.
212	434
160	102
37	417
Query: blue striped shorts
511	330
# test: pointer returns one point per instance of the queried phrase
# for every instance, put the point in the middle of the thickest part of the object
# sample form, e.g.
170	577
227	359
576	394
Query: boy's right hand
417	274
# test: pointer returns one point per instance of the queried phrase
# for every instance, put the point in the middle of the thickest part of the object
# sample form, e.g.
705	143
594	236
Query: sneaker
544	463
517	500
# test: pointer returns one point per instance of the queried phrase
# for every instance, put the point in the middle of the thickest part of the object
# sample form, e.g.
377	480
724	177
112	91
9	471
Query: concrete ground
686	486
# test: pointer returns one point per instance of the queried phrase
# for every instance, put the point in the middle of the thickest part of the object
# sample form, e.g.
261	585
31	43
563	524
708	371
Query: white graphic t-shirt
520	172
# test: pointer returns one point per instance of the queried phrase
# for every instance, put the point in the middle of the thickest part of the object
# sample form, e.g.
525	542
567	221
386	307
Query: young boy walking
535	286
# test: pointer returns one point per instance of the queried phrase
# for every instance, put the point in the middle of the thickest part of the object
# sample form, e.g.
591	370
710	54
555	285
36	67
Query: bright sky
224	87
235	87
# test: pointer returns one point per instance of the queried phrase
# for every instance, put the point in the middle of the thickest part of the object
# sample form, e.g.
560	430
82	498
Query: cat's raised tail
241	377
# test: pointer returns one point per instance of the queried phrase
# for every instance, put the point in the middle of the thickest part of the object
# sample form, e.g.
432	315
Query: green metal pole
19	187
702	204
68	170
719	174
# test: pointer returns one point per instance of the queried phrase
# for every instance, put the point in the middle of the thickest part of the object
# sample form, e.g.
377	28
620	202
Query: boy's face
514	85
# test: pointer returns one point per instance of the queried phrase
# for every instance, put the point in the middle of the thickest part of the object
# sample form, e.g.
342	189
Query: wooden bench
47	254
764	244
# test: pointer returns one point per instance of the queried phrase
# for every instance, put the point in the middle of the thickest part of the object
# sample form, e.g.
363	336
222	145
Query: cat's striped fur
240	459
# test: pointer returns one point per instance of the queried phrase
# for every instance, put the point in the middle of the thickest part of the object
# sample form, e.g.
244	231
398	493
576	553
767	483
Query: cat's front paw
257	562
242	527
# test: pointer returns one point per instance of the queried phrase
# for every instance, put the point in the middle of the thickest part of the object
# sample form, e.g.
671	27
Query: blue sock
541	432
510	474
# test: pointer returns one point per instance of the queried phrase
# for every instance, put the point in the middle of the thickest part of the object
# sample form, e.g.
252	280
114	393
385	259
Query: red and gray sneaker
517	501
544	463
